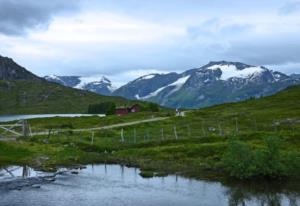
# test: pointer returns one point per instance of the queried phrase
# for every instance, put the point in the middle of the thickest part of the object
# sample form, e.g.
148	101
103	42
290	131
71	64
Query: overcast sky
123	39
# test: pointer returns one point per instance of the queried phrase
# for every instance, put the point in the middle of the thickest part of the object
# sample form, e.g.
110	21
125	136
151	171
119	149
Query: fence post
122	135
162	134
134	135
92	139
25	128
49	133
220	129
175	133
203	131
30	132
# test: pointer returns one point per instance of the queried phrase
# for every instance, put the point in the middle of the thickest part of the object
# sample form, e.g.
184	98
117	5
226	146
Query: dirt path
108	126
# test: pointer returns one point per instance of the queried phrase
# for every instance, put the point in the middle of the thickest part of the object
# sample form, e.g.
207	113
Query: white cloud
122	44
105	28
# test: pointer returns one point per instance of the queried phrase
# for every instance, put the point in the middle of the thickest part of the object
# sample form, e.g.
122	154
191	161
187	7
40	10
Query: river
114	185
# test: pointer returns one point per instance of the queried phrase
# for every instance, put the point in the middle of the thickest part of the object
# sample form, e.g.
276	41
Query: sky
124	39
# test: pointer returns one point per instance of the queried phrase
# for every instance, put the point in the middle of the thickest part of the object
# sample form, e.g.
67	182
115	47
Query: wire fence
203	128
183	128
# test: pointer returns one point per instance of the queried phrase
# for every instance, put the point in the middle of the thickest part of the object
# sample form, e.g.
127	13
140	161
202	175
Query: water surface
114	185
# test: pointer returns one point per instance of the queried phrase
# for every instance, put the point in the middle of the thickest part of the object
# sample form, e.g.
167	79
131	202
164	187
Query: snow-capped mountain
99	85
214	83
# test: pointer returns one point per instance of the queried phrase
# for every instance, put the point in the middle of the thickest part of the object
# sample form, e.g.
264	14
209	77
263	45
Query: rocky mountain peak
10	70
97	84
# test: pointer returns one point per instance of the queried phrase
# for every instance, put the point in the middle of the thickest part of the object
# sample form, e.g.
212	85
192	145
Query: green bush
238	160
243	162
269	161
153	107
150	107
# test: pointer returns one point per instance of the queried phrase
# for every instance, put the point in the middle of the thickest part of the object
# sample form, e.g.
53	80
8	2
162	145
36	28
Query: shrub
269	161
150	106
243	162
238	160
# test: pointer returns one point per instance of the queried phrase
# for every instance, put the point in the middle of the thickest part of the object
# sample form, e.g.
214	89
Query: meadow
257	138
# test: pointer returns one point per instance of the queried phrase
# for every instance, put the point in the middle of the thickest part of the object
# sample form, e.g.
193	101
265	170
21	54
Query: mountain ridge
97	84
214	83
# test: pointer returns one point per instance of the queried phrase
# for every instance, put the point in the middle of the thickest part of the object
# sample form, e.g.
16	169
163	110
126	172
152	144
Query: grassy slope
34	97
203	137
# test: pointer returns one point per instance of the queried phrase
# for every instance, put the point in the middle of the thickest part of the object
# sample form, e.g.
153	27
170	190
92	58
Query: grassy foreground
251	139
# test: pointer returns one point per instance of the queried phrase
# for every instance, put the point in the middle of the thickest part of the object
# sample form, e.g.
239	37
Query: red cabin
125	110
121	111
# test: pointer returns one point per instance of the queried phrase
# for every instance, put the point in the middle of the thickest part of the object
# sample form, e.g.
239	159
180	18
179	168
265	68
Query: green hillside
35	97
258	138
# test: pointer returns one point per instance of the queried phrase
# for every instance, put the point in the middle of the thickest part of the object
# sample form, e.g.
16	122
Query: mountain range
100	85
215	83
22	92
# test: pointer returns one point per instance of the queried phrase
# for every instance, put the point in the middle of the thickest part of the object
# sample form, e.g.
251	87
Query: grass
204	140
89	122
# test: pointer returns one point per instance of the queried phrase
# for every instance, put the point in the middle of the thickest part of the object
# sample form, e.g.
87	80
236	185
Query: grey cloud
267	51
18	16
236	29
289	68
207	28
290	7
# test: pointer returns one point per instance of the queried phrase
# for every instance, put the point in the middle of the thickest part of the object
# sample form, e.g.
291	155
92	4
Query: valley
196	145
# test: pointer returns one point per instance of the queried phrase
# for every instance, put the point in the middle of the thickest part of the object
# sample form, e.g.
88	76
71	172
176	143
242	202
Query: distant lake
114	185
7	118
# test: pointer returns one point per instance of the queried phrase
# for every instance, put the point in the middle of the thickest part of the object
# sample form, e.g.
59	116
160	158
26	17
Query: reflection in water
118	185
26	172
263	193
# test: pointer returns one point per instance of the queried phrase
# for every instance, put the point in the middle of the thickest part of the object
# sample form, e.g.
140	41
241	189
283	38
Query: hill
36	97
22	92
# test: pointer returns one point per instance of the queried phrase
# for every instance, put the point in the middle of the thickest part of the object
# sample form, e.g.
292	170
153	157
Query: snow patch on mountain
177	84
52	76
95	80
155	93
230	71
146	77
98	84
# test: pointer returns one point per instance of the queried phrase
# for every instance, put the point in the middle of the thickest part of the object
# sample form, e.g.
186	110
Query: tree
108	108
153	107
